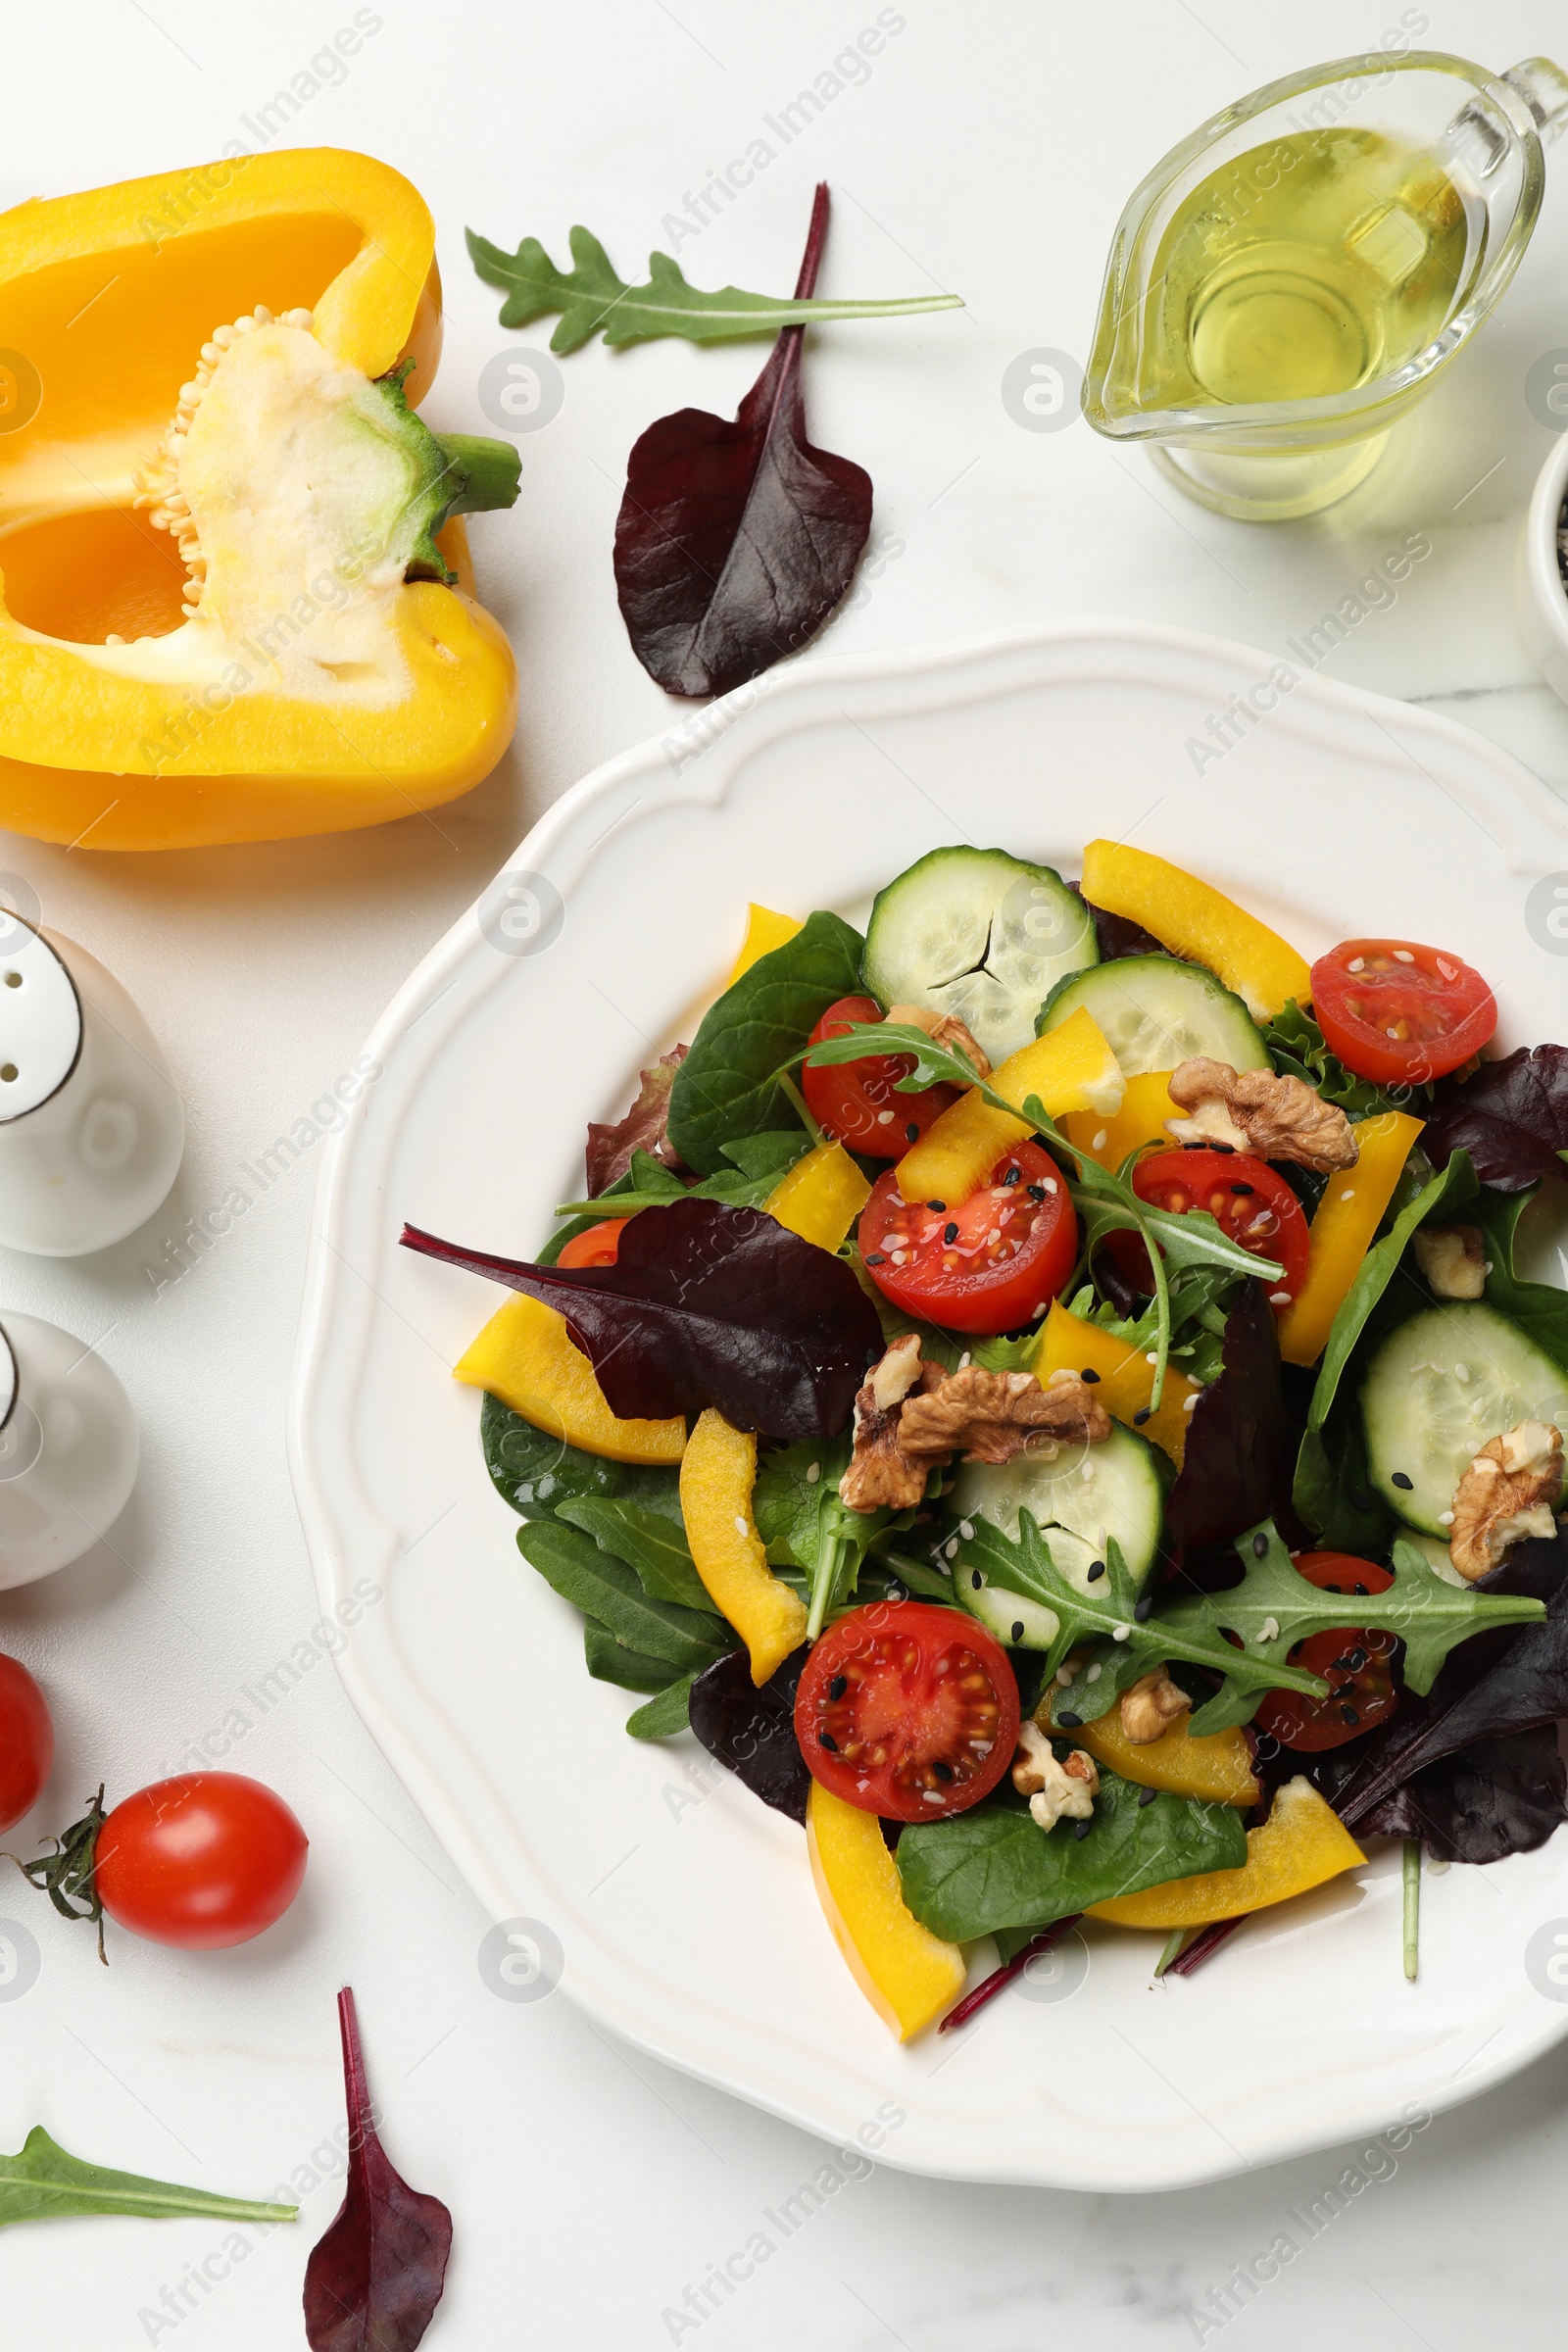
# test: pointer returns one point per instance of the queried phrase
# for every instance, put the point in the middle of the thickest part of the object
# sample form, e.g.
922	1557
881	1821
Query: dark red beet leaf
1494	1799
707	1304
735	540
373	2282
1236	1437
751	1729
1511	1117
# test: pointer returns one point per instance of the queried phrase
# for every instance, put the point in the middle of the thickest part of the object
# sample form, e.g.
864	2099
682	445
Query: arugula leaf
610	1661
664	1716
1539	1308
727	1087
655	1546
590	296
1449	1190
607	1591
992	1870
42	2183
536	1473
1296	1046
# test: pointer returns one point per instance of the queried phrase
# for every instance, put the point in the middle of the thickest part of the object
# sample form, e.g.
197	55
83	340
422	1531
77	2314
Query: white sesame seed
1094	1674
1403	956
1101	1138
1151	1357
1039	1309
1358	964
1348	1193
1189	1404
1444	1518
1486	1268
963	1361
1120	1633
900	1256
1049	1185
1086	1472
884	1118
951	1548
1391	1033
741	1528
1268	1631
966	1530
814	1474
1461	1372
1279	1297
1434	1868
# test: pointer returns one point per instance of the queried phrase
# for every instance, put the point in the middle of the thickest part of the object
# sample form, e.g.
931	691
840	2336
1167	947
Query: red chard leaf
1492	1799
1511	1116
1236	1434
751	1728
373	2282
609	1148
707	1304
735	540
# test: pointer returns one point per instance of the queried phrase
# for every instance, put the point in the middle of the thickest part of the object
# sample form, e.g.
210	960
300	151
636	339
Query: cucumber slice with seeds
1436	1391
980	934
1157	1012
1082	1496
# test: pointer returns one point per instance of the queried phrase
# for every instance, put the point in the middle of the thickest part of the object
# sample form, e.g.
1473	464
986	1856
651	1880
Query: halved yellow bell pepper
1218	1766
764	931
1071	1068
527	1357
1342	1232
908	1975
718	1473
1303	1843
1126	1380
821	1196
1145	1107
1191	918
191	731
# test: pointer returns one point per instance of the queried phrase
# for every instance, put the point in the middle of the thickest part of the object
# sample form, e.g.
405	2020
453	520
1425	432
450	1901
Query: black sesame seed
1143	1609
942	1769
1081	1829
1141	1415
1036	1192
1260	1547
1246	1191
938	1205
876	1258
912	1131
1068	1721
1399	1480
829	1742
838	1685
1017	1629
1014	1176
975	1579
1225	1148
1348	1715
1146	1796
1090	1377
949	1233
1096	1570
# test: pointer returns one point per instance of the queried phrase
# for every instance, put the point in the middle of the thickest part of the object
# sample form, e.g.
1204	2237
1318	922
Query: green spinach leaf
42	2183
665	1715
607	1591
993	1869
727	1087
610	1661
536	1473
655	1546
1333	1491
1539	1308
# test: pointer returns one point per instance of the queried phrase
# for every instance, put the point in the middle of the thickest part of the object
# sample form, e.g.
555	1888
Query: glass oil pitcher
1288	281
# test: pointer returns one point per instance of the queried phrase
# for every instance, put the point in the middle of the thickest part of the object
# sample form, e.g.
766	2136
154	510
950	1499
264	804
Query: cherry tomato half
986	1265
1355	1664
26	1743
201	1861
598	1247
1398	1013
1250	1202
857	1103
908	1710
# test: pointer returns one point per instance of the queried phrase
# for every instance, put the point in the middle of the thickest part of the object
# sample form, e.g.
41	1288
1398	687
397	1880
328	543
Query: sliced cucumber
980	934
1436	1391
1156	1012
1082	1498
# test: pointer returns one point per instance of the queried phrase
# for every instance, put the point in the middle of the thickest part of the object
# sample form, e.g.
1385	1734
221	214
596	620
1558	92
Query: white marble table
989	150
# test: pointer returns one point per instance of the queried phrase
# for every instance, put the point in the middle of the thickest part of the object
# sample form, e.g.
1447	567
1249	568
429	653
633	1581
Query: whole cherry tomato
201	1861
26	1743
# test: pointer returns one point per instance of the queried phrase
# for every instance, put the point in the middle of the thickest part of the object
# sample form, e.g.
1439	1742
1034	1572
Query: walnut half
1253	1110
993	1415
943	1029
1510	1490
1151	1706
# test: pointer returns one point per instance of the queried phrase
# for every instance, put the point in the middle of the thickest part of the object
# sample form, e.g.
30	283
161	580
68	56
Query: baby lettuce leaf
373	2283
1236	1435
707	1305
607	1591
590	296
994	1869
1511	1116
42	2183
653	1546
1298	1050
751	1728
1492	1799
609	1150
1489	1688
536	1473
735	540
1539	1308
727	1087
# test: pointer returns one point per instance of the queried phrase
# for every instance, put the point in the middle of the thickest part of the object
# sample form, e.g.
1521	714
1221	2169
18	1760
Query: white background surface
990	152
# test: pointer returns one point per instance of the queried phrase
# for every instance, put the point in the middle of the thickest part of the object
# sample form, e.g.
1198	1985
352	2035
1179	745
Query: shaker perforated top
40	1021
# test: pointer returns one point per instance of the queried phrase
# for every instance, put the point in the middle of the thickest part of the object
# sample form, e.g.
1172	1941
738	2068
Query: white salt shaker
91	1124
68	1449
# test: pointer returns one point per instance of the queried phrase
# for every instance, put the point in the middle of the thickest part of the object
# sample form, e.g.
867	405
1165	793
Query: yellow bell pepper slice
1218	1766
188	733
1191	918
908	1975
1145	1107
717	1472
1303	1843
1071	1068
1343	1230
527	1357
821	1196
1067	1344
764	931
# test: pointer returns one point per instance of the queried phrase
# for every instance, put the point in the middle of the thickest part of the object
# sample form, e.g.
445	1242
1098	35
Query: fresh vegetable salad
1043	1392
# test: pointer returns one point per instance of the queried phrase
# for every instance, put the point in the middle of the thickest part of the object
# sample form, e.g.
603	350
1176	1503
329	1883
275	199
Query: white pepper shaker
91	1124
68	1449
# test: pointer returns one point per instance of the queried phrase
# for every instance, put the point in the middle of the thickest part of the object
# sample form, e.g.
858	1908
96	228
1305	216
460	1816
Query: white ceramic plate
685	1908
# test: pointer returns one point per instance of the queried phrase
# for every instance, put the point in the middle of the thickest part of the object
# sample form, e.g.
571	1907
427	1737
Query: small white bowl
1538	583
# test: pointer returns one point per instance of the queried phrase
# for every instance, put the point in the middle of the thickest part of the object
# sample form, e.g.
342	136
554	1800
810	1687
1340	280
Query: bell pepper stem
489	471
